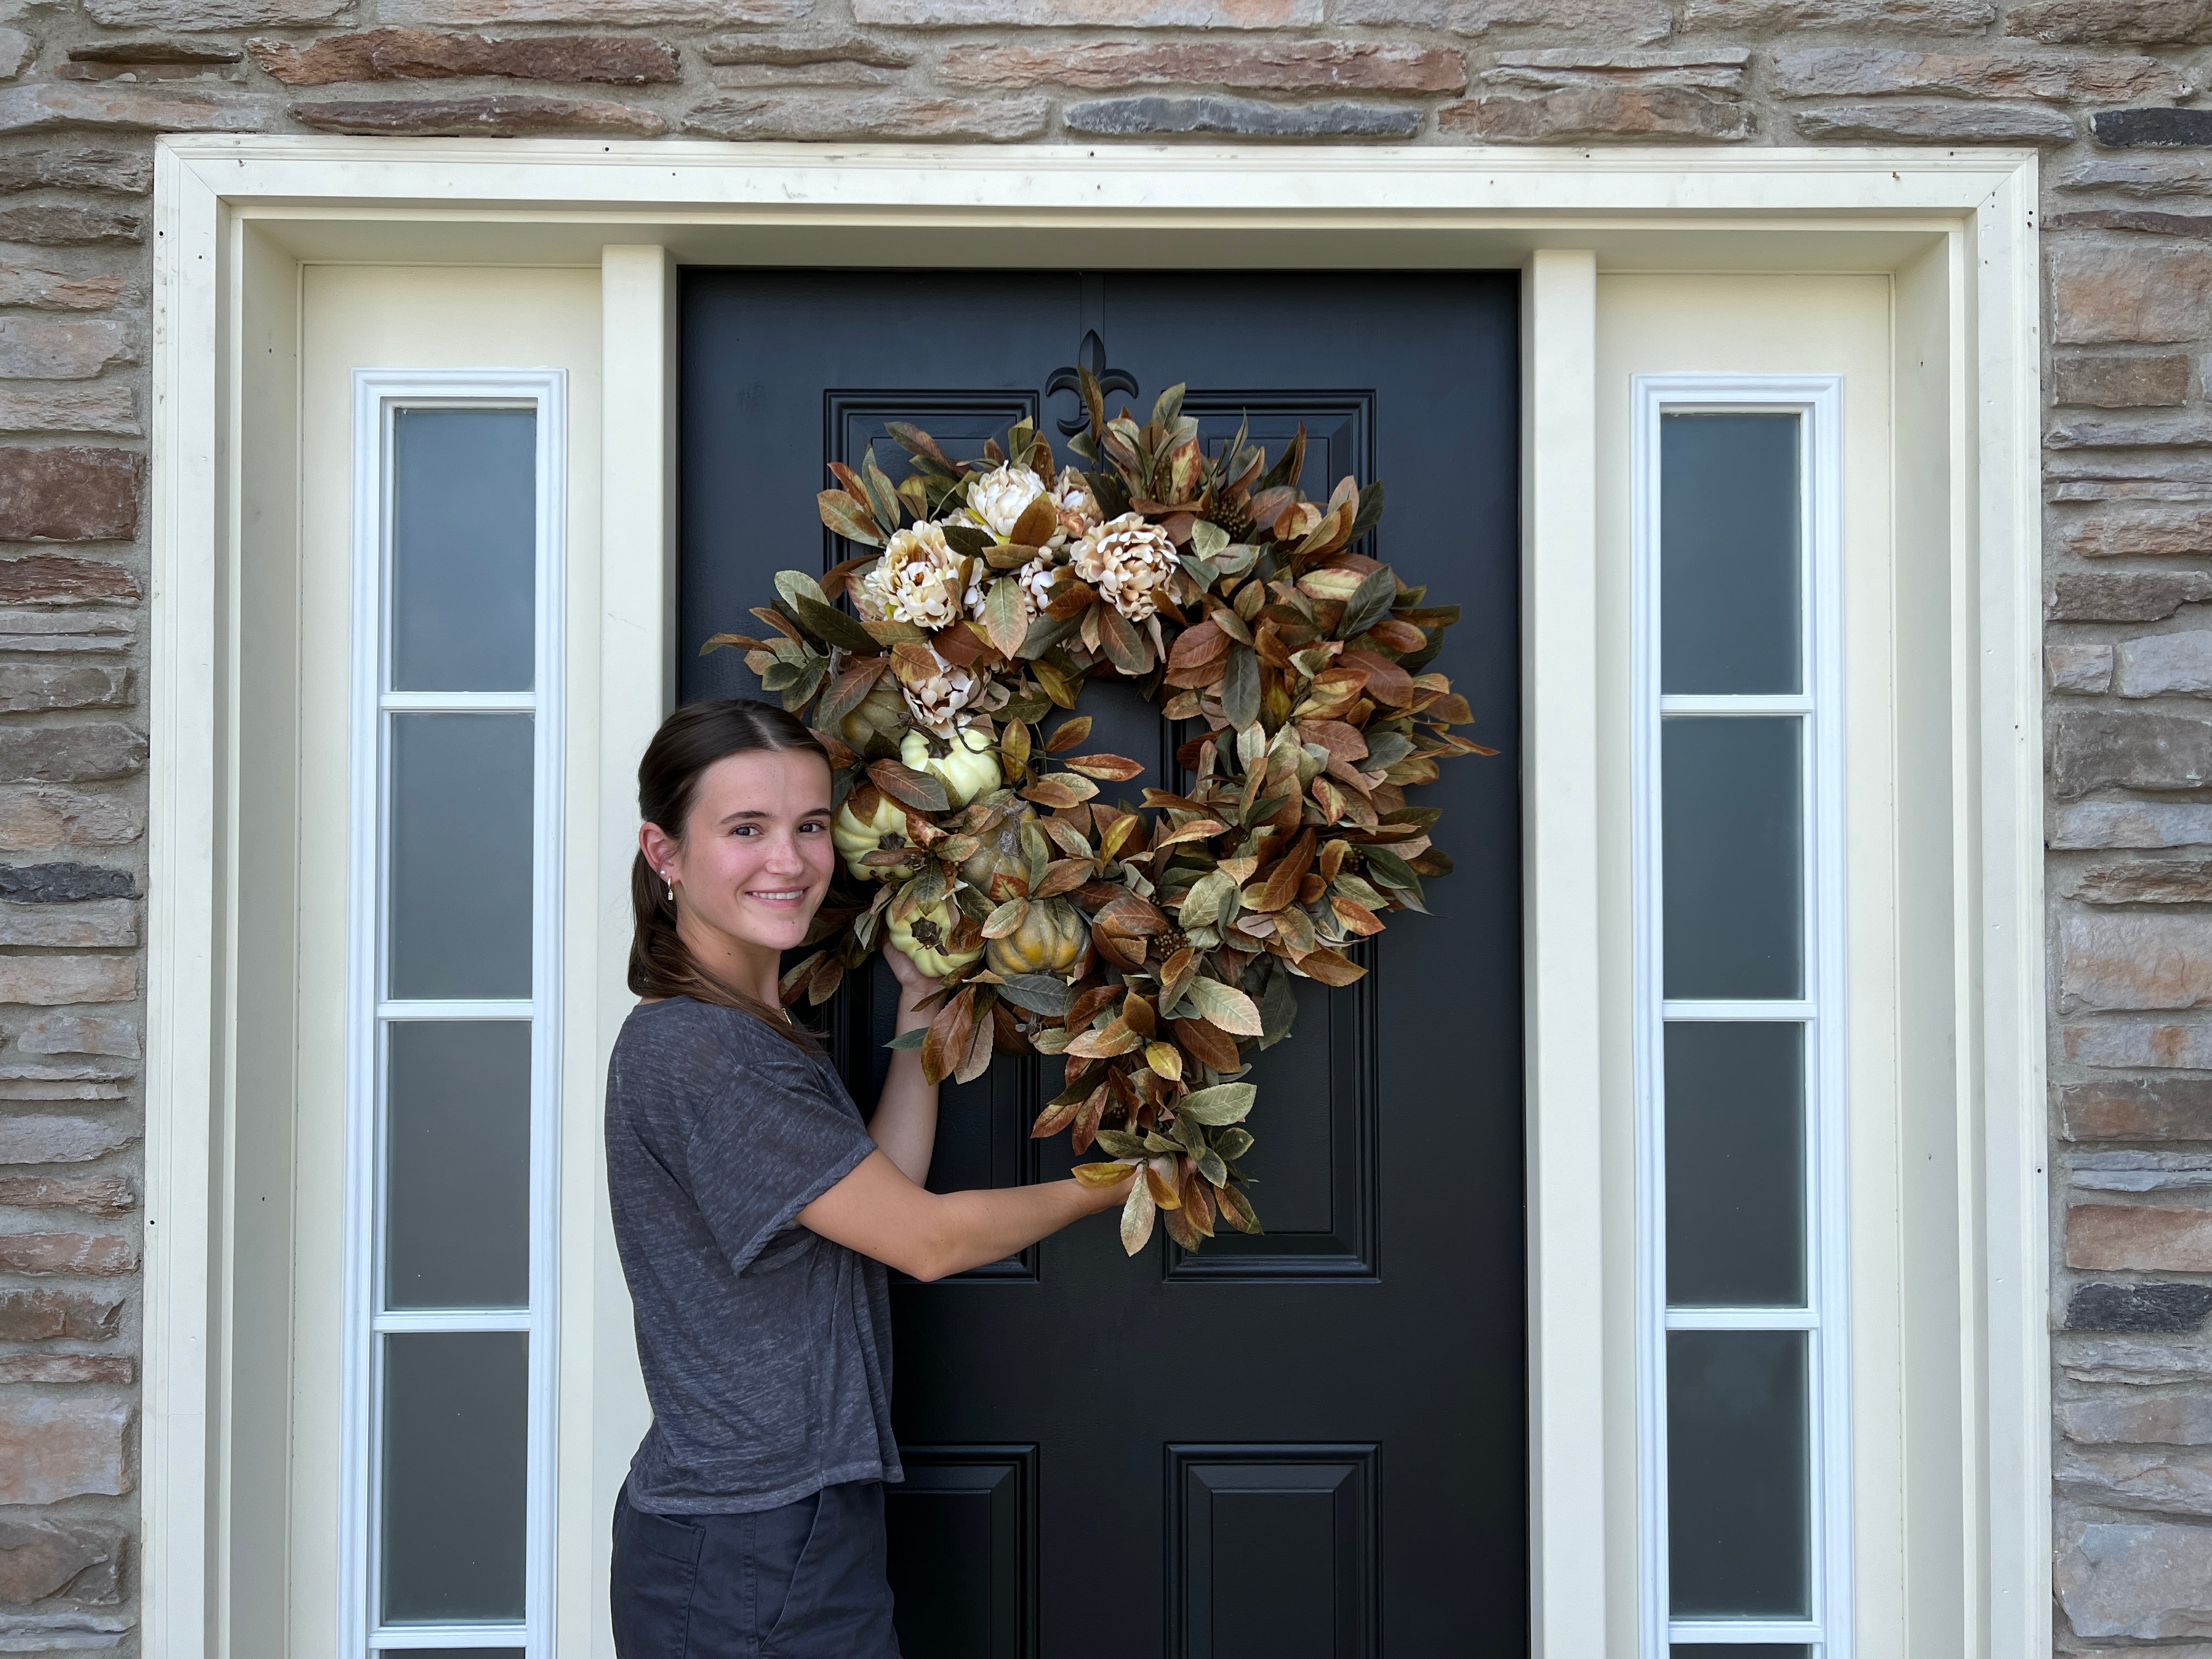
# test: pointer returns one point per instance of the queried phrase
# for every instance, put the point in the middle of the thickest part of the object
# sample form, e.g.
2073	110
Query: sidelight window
1744	1499
445	1521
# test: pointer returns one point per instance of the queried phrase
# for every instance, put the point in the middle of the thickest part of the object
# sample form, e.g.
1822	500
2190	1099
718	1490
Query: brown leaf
1330	967
977	1060
1059	789
946	1044
1014	747
1138	1012
1282	884
1386	681
1196	829
1063	876
1067	734
1356	916
1205	1042
1007	918
1004	619
1097	1175
1166	1189
922	791
1196	658
1236	1209
1197	1201
1115	768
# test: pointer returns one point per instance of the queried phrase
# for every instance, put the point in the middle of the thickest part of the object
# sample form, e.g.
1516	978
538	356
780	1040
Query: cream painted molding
1562	215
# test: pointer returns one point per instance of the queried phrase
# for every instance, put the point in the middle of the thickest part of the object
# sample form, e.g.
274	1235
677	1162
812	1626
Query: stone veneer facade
2103	86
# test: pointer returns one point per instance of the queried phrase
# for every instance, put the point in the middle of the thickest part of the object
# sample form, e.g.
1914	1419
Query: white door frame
234	215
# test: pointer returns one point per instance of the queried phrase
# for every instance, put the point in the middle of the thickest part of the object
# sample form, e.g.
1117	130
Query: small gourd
1001	850
924	935
854	840
873	726
967	769
1053	938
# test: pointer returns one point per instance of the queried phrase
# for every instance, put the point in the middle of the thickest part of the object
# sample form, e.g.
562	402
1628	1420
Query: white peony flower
1078	508
938	700
1031	582
999	498
917	581
1125	560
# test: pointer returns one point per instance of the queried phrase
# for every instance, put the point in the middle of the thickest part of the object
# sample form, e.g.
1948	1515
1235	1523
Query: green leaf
1224	1103
1370	509
1208	541
1045	632
829	624
793	583
1213	1168
883	496
1120	1143
1169	408
1224	1005
1040	993
1279	1003
1232	1143
1394	873
1369	603
1002	617
909	1039
967	539
845	515
1240	687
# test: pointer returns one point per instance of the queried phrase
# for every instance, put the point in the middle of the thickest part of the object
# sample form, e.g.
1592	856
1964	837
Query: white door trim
220	201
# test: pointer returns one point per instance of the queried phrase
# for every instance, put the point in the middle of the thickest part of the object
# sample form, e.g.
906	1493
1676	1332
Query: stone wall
2103	86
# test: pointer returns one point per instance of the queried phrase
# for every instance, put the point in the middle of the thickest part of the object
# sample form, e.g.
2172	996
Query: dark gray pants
802	1582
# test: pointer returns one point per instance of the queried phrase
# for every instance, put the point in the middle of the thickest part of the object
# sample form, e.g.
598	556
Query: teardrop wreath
1151	948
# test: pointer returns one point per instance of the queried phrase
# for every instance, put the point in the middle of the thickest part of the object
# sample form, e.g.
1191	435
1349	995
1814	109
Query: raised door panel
962	1536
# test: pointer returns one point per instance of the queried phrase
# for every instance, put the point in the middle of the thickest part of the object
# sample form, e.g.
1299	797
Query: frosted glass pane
460	855
1731	845
1736	1165
1715	1650
1728	604
1739	1480
457	1199
464	549
456	1444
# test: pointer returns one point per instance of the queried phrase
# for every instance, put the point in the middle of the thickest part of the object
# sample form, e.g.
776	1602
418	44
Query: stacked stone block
2106	88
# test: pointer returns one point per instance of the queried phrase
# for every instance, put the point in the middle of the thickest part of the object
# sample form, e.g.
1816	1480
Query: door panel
1197	1442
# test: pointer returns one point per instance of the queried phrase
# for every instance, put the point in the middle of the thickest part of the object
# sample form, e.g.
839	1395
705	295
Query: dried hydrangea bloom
1032	581
936	702
1125	560
997	499
917	581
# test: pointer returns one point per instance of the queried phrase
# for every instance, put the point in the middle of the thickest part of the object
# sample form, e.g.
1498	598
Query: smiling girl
756	1210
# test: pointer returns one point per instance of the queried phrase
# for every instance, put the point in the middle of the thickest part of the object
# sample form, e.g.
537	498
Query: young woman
755	1211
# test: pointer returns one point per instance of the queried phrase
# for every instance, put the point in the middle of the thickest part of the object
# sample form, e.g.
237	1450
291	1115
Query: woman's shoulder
685	1037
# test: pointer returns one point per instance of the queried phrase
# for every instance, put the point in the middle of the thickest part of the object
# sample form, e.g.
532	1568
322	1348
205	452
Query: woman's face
756	858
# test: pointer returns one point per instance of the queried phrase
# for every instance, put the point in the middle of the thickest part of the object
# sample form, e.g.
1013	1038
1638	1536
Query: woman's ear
660	848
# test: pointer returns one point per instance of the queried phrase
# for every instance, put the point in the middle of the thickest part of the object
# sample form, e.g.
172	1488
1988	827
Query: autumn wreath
1151	948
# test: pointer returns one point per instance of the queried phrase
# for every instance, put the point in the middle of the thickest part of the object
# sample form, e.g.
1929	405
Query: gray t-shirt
766	1348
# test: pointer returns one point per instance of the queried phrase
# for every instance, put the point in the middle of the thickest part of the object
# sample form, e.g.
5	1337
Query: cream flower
1125	560
999	498
1031	582
1078	508
937	700
917	581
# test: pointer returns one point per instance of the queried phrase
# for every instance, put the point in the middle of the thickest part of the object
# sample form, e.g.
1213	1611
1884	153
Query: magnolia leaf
1208	541
1212	1168
922	791
1007	918
1165	1060
1240	688
1040	993
1137	1215
1224	1103
1037	524
977	1060
1067	734
1394	872
1003	621
1232	1143
1166	1192
1014	746
1098	1175
908	1039
883	496
1369	603
1121	1143
1115	768
1330	967
848	518
1224	1006
1235	1208
829	624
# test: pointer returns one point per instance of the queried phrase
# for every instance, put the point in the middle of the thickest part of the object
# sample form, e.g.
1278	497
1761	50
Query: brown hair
690	741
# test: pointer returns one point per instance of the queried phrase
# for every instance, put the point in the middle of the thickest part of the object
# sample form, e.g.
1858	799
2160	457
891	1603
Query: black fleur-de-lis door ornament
1093	355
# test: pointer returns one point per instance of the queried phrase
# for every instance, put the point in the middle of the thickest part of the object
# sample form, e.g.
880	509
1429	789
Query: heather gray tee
766	1348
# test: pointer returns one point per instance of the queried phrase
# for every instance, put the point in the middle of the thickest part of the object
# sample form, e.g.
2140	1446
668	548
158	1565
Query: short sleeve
778	1139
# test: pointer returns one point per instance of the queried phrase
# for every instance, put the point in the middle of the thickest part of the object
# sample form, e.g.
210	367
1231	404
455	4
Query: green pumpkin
873	727
855	840
1053	938
967	769
922	937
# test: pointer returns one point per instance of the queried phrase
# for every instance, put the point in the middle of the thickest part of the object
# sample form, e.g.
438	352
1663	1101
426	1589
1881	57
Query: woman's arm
879	1211
905	1124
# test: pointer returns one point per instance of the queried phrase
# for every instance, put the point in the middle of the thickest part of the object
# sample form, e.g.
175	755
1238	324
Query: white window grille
446	1490
1742	1362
